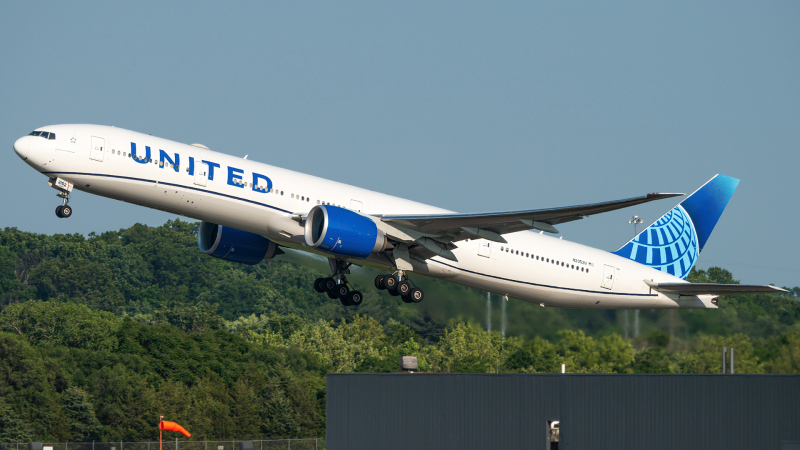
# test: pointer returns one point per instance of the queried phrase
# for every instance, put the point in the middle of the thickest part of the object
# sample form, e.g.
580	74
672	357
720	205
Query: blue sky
467	106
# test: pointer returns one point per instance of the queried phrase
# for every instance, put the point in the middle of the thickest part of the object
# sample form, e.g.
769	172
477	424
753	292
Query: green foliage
65	324
79	411
100	336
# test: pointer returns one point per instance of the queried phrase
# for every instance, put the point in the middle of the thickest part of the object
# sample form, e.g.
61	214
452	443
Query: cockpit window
45	134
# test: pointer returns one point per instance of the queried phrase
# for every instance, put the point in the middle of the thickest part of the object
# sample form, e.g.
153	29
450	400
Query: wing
492	225
712	288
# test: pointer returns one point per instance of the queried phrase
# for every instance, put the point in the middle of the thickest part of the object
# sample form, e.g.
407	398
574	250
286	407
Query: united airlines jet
250	210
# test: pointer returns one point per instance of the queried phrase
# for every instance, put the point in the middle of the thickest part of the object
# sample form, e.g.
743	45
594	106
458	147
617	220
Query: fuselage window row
548	260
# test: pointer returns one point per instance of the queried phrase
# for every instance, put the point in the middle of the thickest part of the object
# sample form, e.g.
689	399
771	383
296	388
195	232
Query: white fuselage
533	267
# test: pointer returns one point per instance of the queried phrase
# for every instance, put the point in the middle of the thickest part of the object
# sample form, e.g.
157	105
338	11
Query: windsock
172	426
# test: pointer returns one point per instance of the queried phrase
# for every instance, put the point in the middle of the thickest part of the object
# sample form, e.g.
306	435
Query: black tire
390	282
318	286
403	288
345	301
416	295
354	298
405	299
329	284
341	291
66	211
58	212
331	295
393	292
379	282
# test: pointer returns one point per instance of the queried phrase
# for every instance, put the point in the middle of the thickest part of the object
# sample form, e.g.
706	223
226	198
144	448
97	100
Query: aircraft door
485	248
98	148
608	277
201	174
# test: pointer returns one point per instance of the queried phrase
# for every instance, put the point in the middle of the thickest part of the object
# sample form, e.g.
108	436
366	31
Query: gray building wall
597	411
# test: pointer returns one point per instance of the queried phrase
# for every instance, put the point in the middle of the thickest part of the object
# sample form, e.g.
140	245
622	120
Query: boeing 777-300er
249	210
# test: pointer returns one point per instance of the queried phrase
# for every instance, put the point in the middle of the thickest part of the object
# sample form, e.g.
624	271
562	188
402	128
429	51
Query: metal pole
724	358
731	360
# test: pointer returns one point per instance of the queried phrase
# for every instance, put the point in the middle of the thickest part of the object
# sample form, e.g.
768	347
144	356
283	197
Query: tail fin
673	242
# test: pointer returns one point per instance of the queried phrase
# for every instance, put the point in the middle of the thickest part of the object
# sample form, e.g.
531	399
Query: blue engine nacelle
234	245
343	232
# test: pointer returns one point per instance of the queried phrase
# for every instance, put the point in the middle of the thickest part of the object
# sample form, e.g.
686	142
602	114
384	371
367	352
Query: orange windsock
172	426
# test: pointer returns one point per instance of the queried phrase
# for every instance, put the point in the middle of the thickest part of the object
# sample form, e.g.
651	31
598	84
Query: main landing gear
398	284
336	286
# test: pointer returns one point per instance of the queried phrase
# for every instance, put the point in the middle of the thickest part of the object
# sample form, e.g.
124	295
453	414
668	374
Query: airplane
249	211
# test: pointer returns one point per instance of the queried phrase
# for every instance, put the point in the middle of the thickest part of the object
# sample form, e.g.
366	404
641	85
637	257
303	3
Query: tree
61	323
79	410
12	427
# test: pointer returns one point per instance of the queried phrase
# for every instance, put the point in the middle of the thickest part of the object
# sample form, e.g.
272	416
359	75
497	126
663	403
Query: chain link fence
273	444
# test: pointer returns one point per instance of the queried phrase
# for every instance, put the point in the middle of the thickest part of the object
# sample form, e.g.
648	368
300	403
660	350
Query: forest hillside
100	334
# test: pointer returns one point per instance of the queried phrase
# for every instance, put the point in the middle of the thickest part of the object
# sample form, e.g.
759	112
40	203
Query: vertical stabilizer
673	243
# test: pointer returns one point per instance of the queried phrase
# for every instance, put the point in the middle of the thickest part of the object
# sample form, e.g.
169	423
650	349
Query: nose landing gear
398	284
64	188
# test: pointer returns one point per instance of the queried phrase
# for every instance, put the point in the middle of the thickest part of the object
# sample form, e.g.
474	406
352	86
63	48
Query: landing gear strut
64	188
398	284
336	286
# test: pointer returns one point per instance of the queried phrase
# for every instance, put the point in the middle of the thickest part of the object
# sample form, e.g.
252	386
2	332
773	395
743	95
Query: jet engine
343	232
235	245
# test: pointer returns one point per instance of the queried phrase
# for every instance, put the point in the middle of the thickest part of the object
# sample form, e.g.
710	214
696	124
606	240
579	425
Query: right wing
512	221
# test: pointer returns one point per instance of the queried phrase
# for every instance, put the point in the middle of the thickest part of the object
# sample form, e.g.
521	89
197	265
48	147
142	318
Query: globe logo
669	245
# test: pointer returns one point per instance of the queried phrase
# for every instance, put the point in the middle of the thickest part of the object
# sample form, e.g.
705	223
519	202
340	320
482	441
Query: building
580	411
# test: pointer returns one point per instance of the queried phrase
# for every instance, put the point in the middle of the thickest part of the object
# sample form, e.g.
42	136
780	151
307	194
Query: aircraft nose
22	146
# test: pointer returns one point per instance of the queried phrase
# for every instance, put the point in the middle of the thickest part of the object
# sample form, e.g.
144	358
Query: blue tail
673	243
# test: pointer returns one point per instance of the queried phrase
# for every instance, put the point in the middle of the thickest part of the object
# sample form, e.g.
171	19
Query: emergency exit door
201	174
98	148
608	277
485	248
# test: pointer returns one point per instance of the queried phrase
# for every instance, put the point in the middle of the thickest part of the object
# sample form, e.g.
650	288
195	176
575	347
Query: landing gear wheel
58	212
318	286
416	295
393	292
379	282
354	298
341	291
345	301
406	299
330	287
390	282
66	211
403	288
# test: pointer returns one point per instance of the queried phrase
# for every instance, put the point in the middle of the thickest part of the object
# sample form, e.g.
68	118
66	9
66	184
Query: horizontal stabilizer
712	288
